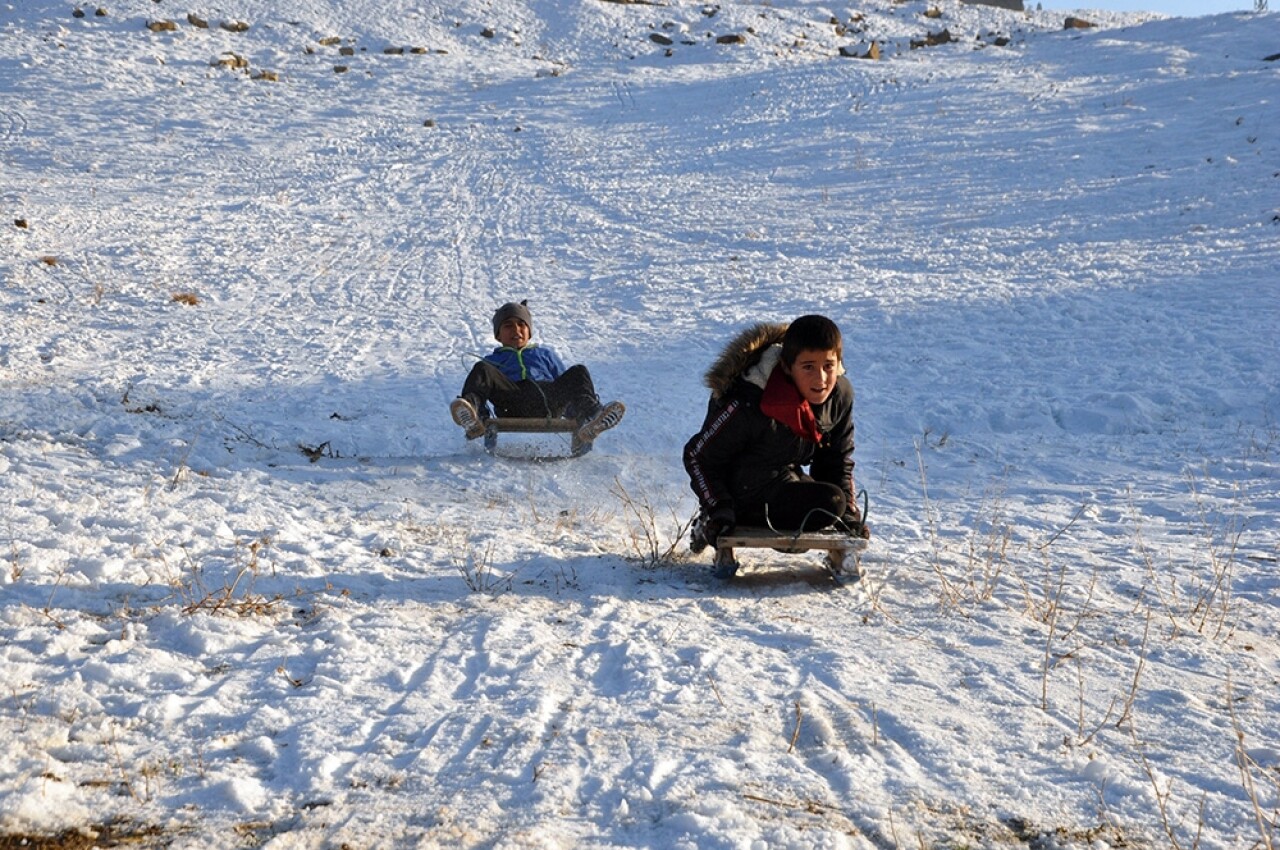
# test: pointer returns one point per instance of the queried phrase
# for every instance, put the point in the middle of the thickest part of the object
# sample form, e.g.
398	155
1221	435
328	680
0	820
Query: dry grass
648	542
116	834
236	595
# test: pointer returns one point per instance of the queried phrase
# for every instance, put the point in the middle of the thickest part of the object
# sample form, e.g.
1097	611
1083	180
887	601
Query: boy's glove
721	521
852	520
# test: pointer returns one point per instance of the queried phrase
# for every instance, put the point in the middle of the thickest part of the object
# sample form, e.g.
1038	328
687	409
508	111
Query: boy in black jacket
779	403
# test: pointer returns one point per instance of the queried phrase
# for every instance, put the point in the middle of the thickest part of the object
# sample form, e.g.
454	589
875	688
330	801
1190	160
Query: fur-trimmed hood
745	351
750	355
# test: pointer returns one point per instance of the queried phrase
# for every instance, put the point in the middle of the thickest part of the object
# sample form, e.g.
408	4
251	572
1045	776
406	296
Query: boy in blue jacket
526	380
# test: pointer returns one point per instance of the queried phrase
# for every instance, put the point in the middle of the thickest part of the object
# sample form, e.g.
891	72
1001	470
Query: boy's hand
721	521
852	520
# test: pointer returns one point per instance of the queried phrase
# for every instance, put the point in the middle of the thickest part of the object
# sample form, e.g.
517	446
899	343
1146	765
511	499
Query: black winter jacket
741	453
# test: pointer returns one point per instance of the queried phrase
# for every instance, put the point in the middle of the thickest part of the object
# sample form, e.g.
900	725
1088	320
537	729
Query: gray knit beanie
512	310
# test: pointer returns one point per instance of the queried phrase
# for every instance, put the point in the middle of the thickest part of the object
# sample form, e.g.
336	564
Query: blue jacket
531	363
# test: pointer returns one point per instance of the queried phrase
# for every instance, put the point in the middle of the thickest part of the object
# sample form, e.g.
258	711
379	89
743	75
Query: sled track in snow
12	125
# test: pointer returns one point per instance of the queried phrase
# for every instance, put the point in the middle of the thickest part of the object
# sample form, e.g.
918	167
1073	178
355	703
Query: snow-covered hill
1053	251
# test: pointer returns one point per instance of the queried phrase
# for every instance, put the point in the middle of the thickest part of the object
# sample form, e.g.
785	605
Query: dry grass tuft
118	834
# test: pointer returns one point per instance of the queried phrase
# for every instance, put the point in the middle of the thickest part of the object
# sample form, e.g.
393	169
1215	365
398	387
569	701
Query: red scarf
782	402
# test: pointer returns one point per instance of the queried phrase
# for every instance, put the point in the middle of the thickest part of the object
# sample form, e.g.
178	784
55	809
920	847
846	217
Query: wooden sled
844	551
535	425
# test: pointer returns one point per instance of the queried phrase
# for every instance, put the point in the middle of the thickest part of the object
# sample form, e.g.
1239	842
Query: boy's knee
838	502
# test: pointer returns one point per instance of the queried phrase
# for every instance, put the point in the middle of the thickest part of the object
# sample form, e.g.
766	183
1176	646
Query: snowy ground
1054	255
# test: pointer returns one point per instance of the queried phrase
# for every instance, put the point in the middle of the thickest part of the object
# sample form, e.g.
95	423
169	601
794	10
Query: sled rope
866	504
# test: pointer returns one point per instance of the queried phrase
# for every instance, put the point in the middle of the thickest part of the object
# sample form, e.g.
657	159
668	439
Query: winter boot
726	565
698	533
602	420
464	413
845	566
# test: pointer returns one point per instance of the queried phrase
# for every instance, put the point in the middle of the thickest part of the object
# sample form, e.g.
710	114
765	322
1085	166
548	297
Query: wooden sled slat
764	538
533	425
844	551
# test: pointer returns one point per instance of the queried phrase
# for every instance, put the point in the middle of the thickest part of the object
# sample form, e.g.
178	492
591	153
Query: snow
1055	264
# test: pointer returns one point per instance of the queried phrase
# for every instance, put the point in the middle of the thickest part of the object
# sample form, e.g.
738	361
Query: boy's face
513	333
814	373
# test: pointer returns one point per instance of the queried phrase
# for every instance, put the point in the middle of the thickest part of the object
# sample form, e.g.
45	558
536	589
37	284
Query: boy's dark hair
811	333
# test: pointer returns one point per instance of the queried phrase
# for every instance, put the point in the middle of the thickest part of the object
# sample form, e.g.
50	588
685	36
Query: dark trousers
797	505
572	395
